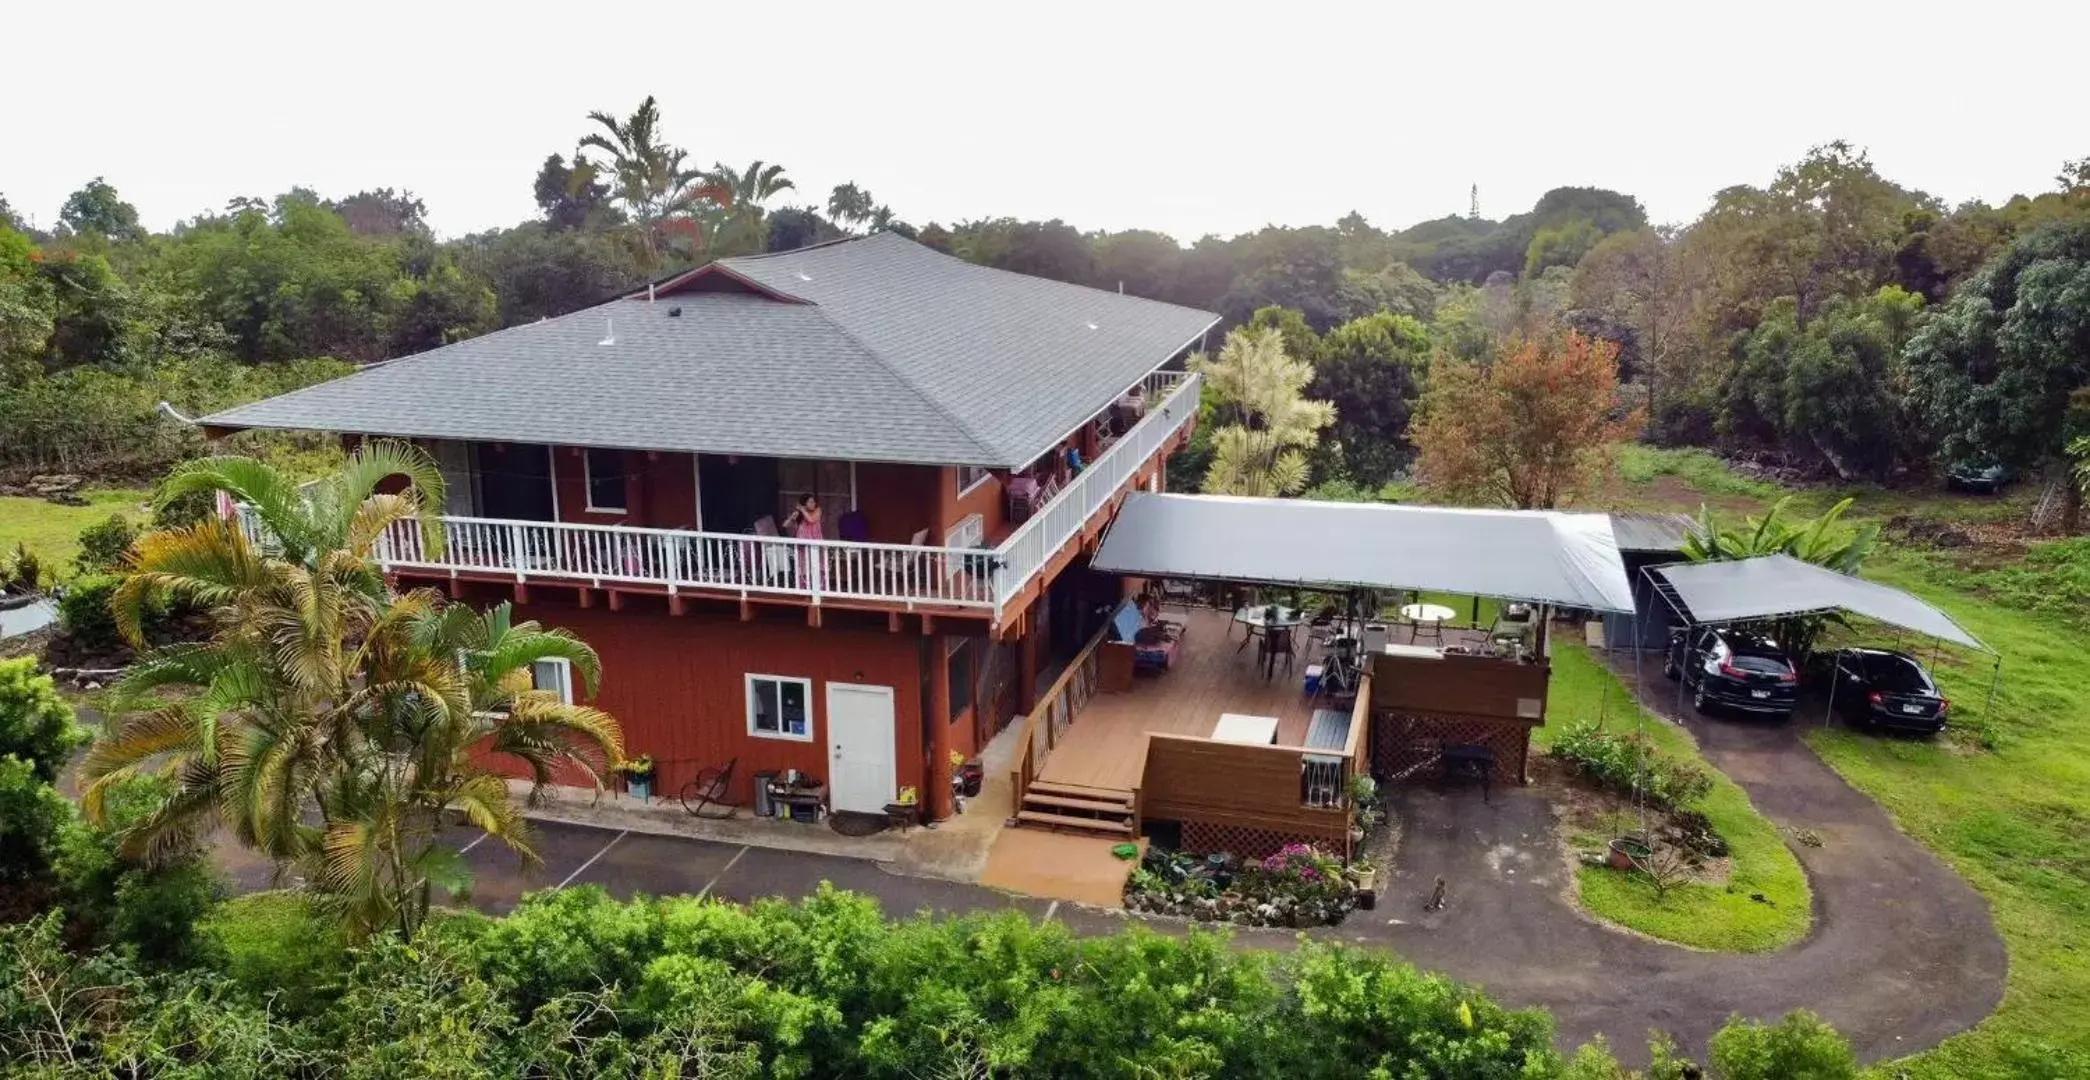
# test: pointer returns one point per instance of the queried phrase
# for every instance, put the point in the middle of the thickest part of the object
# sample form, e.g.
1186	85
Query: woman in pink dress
804	523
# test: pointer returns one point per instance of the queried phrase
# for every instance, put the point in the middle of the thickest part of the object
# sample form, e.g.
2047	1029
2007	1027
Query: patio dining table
1265	620
1433	616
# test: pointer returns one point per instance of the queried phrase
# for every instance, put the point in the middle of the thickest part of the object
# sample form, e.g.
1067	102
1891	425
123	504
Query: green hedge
574	984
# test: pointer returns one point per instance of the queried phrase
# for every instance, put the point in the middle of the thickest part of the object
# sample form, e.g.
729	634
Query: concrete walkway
1902	954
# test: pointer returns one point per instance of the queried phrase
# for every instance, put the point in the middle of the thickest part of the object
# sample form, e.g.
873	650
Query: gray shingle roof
901	353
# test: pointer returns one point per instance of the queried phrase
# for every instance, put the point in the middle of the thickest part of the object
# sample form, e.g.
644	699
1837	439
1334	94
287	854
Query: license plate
1914	710
1759	693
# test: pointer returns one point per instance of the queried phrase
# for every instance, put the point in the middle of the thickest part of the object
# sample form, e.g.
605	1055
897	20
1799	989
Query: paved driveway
1903	953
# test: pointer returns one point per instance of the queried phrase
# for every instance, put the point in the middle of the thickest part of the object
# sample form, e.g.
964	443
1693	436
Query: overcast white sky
1190	118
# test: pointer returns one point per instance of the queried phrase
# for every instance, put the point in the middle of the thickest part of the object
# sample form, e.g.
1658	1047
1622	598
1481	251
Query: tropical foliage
1531	430
1266	424
323	691
576	985
1823	541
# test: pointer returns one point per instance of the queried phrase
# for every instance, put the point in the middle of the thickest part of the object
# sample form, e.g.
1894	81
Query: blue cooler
1313	679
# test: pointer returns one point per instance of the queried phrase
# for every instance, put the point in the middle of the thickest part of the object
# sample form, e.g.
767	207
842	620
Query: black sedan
1976	477
1734	669
1882	688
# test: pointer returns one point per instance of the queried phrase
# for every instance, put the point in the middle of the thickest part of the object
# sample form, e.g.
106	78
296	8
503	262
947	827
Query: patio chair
1182	594
712	789
1025	496
1277	642
1154	645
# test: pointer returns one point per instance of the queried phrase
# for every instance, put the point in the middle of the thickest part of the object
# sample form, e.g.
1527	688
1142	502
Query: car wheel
1698	697
1669	668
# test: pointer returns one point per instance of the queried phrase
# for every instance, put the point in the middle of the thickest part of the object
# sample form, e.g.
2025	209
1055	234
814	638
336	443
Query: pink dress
808	528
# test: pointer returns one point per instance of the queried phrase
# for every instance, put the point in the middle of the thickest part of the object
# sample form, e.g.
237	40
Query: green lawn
2014	820
52	531
2007	802
1729	918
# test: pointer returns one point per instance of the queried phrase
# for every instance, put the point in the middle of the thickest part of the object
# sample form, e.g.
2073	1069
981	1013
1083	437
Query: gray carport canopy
1542	556
1771	586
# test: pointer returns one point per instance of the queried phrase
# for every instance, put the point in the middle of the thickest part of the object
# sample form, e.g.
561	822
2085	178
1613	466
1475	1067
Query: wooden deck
1106	745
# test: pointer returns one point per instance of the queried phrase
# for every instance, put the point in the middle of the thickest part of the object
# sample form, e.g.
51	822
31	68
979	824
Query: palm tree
850	206
328	722
1261	449
646	175
735	216
1820	541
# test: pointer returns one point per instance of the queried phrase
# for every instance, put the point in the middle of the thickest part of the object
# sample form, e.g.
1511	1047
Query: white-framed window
970	532
970	477
554	674
604	472
780	707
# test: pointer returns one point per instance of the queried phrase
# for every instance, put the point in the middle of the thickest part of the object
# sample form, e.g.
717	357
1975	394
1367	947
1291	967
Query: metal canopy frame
1690	622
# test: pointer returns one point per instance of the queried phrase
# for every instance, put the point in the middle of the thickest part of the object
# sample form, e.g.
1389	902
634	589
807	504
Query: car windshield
1763	665
1896	675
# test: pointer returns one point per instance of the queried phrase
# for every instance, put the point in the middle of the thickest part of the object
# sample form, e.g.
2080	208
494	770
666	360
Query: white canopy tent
1779	586
1540	556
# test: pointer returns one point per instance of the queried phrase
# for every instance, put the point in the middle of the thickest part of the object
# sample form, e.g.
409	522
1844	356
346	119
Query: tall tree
382	213
1995	368
97	210
572	198
648	176
1533	430
850	206
323	691
1266	422
734	216
1372	370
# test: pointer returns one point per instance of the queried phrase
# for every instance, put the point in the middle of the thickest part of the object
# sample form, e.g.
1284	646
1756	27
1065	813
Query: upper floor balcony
976	540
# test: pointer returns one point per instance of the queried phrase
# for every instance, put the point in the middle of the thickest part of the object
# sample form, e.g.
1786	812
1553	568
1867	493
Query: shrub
104	544
1630	763
36	725
83	613
149	910
1800	1047
273	945
20	570
33	817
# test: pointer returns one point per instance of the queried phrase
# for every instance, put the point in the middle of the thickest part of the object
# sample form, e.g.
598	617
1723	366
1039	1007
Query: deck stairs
1077	808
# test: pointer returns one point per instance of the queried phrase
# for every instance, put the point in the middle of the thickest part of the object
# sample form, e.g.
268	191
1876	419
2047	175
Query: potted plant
1628	852
638	776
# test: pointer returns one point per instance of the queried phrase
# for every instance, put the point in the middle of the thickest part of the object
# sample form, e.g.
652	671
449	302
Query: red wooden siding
678	685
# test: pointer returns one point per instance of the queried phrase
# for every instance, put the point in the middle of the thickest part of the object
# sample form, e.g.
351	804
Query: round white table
1432	615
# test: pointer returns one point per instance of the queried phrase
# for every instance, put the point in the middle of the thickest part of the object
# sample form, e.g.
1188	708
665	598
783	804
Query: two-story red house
628	472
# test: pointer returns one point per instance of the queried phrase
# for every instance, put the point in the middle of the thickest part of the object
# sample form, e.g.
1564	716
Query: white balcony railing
717	562
747	565
1172	398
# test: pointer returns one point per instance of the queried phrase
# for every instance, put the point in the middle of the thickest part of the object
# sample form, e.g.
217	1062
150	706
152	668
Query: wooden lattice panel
1204	837
1409	742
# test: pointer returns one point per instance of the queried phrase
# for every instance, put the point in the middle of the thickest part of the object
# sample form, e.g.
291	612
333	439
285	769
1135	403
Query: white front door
861	776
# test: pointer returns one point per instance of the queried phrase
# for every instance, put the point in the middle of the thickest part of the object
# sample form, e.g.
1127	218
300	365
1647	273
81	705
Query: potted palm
638	776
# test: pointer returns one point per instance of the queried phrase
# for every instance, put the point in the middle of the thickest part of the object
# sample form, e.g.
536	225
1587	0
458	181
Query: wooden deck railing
1048	722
